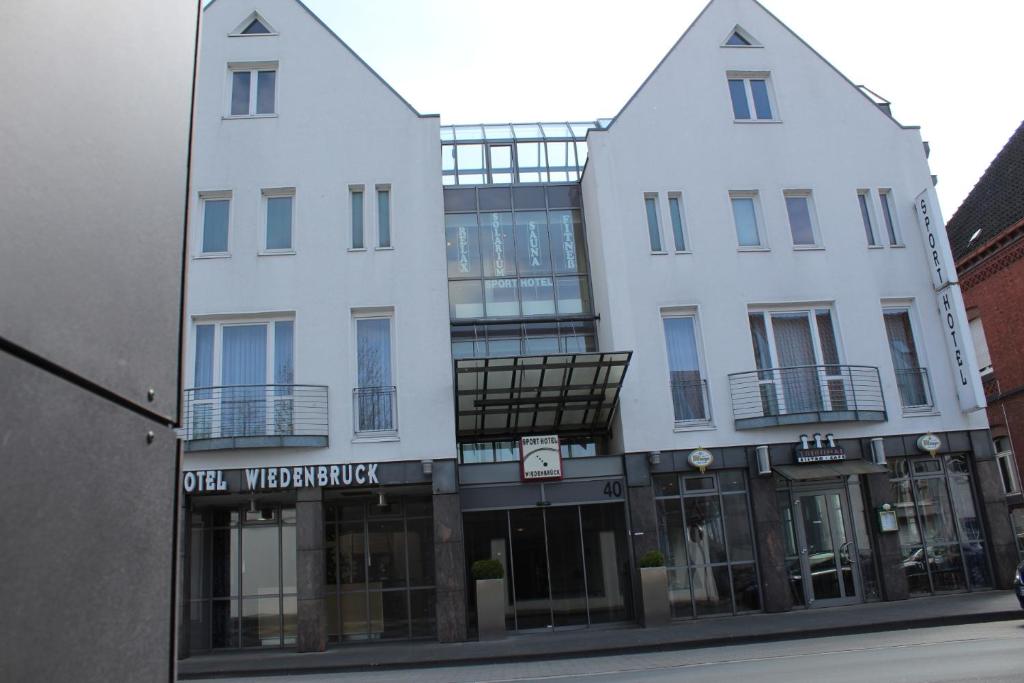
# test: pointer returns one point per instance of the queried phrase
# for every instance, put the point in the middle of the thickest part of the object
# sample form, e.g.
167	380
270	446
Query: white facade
334	125
826	139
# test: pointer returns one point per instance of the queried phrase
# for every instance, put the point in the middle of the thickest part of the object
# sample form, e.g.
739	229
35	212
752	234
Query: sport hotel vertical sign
955	328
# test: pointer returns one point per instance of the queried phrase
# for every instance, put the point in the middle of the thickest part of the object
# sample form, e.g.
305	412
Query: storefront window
379	568
940	532
704	530
242	578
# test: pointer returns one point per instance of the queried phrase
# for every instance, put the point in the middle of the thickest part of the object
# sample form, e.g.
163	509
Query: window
383	216
253	89
356	200
888	215
254	25
689	389
675	209
802	225
1007	464
739	37
278	217
750	93
653	229
745	213
374	402
864	200
244	375
911	378
981	347
216	212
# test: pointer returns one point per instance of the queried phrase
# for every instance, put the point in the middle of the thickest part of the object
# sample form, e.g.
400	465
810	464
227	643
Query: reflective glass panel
501	298
240	81
466	299
462	241
279	222
738	93
759	90
533	249
498	245
538	294
215	225
266	82
746	221
800	225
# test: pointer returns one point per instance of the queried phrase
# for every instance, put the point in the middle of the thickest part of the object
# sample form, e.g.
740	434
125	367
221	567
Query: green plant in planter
652	558
487	569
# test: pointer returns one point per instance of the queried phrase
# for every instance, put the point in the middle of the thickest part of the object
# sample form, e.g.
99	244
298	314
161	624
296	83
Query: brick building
987	237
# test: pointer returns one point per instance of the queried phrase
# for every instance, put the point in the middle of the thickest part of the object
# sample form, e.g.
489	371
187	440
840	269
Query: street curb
686	644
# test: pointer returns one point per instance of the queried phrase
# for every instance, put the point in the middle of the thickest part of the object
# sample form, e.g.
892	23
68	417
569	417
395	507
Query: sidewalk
885	616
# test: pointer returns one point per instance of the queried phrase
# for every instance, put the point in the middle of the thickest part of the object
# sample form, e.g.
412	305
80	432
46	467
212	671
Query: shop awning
827	470
566	394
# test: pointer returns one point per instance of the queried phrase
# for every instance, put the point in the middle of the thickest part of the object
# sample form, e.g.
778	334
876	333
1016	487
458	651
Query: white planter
654	589
490	608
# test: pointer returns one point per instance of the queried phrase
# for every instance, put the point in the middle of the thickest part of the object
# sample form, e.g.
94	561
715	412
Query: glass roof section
515	153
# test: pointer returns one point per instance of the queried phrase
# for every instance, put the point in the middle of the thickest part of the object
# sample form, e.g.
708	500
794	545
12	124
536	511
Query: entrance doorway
821	547
565	566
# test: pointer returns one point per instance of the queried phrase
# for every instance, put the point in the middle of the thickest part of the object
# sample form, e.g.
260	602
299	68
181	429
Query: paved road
978	652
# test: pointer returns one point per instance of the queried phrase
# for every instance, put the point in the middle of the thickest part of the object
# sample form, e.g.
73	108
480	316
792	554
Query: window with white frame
867	216
253	89
675	210
278	220
1007	464
216	212
803	224
653	226
911	376
383	216
889	217
355	194
375	404
243	378
751	96
746	215
686	378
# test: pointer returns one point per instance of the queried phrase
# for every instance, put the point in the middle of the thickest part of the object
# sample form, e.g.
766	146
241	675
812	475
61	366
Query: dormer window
254	25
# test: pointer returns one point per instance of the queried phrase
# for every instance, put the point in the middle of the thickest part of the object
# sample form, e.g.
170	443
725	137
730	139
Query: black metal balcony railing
915	388
805	394
256	415
375	410
690	401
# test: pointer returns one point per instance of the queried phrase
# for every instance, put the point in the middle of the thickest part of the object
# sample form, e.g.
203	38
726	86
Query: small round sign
929	443
700	458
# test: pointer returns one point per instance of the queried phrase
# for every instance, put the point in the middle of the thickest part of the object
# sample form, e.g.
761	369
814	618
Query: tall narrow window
911	378
280	206
383	215
1007	465
375	394
689	391
981	347
750	94
744	211
356	198
801	221
675	210
885	197
216	209
653	230
864	199
253	90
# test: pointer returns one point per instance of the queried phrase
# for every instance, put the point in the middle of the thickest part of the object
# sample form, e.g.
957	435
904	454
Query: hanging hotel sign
701	459
275	478
540	458
817	449
929	443
936	243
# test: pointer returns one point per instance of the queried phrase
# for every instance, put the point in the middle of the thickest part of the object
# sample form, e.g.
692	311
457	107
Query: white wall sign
960	348
540	458
936	242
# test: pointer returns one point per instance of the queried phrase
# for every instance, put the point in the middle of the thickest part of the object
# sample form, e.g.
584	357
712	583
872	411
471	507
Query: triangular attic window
734	39
740	38
255	26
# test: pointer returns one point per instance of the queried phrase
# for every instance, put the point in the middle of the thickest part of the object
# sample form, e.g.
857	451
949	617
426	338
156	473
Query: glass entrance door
824	538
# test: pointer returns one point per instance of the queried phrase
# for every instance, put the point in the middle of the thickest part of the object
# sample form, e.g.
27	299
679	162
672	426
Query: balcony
806	394
915	390
375	411
255	416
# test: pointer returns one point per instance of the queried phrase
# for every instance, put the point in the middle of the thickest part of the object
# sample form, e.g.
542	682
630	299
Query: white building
720	301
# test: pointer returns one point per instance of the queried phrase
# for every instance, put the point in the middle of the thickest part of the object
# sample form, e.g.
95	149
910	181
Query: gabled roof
354	54
996	202
788	30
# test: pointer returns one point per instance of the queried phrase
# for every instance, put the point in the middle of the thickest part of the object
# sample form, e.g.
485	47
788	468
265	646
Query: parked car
1018	584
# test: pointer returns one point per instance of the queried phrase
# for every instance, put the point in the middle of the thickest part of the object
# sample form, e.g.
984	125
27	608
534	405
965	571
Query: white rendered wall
678	135
337	125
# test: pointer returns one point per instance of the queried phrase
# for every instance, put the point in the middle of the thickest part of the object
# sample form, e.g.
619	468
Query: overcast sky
951	67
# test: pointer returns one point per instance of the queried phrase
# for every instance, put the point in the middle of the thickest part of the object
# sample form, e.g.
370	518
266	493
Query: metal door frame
796	493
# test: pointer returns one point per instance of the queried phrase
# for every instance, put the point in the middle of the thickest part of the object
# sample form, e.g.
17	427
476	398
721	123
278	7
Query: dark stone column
449	568
184	578
996	515
643	517
771	545
309	565
892	578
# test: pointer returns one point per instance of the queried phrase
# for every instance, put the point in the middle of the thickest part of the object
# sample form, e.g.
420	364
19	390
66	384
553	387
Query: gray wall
93	187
